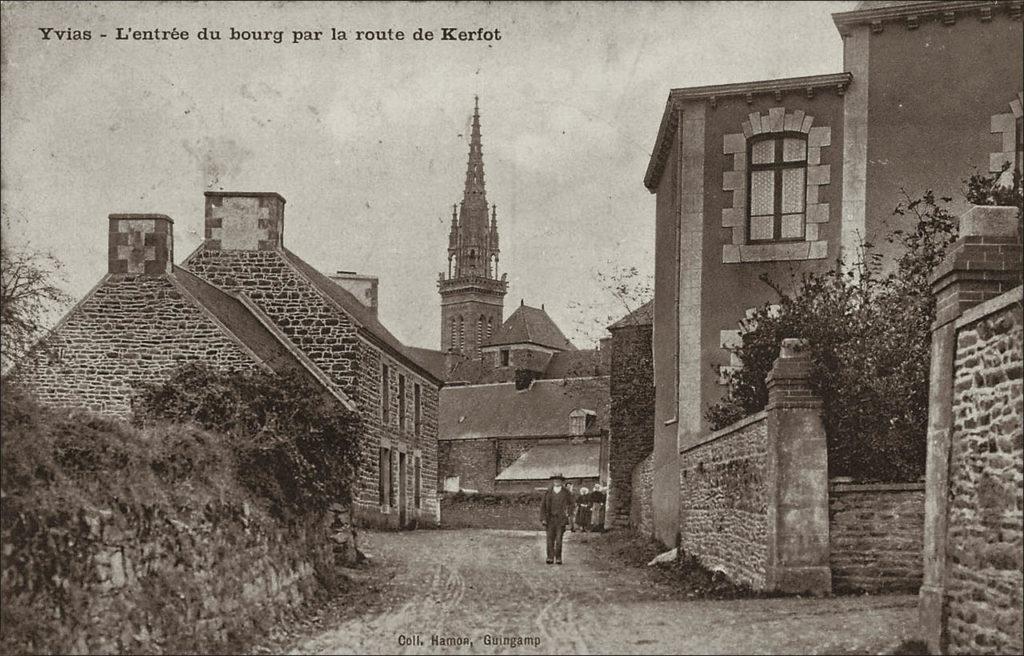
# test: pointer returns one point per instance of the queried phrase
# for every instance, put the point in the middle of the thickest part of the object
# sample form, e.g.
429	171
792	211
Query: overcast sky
367	141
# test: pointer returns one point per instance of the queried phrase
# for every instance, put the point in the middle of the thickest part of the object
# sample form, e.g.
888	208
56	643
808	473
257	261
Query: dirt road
489	591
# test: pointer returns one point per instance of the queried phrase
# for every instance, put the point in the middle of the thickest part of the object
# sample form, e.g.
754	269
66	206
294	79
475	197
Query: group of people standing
588	507
563	506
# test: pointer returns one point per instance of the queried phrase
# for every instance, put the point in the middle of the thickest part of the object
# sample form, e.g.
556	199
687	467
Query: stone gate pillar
797	475
983	263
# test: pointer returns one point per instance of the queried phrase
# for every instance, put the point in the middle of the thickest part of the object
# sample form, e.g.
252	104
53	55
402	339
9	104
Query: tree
28	293
870	336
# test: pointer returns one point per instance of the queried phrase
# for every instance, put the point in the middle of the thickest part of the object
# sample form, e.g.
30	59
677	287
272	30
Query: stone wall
723	502
131	329
631	421
985	538
516	512
973	589
875	536
323	333
641	518
473	461
510	449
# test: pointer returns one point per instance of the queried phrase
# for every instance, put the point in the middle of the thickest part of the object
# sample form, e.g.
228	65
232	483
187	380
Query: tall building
472	294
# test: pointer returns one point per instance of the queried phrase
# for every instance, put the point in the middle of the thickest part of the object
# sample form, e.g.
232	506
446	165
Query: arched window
462	335
489	328
454	335
776	184
480	330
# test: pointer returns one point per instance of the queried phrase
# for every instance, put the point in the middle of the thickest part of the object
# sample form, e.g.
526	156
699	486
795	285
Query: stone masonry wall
631	419
985	541
876	534
131	329
723	506
641	512
473	461
144	581
324	334
400	439
509	451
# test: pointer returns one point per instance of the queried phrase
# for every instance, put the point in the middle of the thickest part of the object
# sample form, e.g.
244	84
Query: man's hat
558	477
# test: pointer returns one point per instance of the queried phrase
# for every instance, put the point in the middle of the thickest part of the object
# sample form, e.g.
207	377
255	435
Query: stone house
784	176
243	300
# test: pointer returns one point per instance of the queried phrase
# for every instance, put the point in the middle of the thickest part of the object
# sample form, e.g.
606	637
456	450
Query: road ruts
471	584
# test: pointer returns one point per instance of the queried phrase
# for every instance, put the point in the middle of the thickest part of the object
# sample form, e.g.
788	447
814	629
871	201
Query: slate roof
579	363
530	325
546	459
642	316
367	319
500	410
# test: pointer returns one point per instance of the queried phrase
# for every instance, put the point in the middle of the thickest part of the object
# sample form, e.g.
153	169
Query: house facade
243	300
783	177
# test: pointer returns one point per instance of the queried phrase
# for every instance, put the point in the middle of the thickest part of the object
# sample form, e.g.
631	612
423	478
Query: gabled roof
580	363
546	459
500	410
642	316
246	322
530	325
365	318
670	117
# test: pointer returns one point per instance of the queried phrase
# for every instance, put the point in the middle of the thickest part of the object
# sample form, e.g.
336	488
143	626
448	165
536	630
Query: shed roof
546	459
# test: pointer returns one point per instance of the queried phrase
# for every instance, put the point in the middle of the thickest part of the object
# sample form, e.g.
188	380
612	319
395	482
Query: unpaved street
470	586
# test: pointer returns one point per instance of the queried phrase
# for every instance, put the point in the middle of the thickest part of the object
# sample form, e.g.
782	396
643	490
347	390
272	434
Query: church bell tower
472	294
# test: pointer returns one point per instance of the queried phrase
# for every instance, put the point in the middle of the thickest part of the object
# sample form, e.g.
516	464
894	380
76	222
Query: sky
368	140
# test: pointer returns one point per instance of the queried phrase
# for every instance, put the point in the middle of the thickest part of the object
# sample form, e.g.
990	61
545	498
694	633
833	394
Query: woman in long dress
583	509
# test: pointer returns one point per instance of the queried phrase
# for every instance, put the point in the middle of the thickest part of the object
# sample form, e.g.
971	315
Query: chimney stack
140	244
364	288
244	220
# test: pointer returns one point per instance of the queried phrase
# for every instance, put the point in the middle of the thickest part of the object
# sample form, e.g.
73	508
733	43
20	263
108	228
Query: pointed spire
475	168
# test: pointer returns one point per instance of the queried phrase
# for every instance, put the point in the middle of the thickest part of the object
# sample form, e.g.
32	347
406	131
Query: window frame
401	403
778	164
417	394
385	394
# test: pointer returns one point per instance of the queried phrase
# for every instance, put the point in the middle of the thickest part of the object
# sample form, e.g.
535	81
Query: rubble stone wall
133	329
984	547
723	504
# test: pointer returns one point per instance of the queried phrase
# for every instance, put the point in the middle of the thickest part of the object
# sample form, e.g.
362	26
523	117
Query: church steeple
474	313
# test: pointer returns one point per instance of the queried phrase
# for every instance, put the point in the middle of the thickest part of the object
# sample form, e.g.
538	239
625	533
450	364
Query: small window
451	484
401	402
776	184
504	357
385	394
417	408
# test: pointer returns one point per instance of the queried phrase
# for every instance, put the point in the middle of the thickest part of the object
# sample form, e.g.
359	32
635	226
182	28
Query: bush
870	340
78	488
294	445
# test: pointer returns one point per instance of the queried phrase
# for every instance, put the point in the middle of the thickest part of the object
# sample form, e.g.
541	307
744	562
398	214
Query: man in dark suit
554	514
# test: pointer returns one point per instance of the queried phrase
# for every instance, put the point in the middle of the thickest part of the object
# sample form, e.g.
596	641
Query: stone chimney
364	288
140	244
244	220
